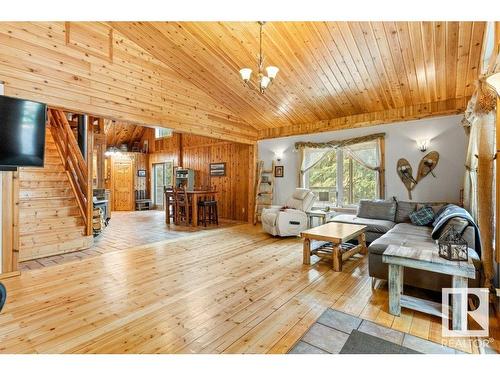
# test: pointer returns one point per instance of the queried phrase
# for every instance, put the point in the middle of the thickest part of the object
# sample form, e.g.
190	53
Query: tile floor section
126	230
331	331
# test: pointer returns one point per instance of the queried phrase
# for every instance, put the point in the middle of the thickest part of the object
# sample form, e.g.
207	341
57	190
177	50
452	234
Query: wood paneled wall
9	245
87	67
197	152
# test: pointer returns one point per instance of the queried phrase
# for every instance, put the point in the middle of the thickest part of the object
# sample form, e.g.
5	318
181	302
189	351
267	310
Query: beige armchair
290	221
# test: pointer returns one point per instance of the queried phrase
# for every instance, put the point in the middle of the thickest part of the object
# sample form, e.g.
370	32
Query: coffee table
398	257
336	247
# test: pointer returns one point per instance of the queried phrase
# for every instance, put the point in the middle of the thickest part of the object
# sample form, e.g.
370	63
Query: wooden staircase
51	220
264	189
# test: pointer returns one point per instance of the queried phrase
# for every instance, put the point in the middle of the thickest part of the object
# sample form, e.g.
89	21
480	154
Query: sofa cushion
436	207
377	209
406	234
423	216
373	225
403	211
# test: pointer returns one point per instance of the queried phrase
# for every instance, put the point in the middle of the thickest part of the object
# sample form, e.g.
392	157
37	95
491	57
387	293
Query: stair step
50	236
43	213
48	203
53	168
62	247
45	193
49	224
45	175
34	184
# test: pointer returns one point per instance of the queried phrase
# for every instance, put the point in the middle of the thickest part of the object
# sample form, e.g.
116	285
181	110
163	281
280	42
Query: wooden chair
3	296
182	206
169	203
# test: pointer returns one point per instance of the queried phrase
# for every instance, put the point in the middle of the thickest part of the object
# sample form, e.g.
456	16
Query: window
343	176
322	178
162	132
162	176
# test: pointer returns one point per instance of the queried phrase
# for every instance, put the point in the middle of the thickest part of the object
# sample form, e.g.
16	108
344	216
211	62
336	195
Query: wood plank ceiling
332	74
184	75
118	133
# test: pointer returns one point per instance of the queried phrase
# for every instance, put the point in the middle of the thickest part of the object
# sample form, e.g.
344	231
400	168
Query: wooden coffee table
335	235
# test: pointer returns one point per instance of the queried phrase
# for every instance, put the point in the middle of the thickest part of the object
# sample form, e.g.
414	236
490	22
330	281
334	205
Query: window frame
158	134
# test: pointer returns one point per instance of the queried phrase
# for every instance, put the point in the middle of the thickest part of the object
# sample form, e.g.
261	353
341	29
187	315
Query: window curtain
308	159
479	188
368	154
366	150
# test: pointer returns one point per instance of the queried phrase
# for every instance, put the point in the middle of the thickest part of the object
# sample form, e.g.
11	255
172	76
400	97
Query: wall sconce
423	144
278	155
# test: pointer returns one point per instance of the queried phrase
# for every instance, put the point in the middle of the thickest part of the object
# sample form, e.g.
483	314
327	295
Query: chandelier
271	71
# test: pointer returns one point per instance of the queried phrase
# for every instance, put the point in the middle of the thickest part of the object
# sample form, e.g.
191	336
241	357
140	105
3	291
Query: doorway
162	176
123	185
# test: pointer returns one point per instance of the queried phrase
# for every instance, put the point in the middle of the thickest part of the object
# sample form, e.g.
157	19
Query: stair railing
73	161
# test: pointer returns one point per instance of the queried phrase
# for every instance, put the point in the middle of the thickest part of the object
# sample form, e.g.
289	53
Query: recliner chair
292	220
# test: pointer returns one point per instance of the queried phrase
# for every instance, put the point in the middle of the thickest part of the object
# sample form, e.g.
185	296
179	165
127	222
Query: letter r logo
460	314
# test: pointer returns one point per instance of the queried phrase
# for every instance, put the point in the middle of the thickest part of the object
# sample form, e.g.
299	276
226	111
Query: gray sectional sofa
388	223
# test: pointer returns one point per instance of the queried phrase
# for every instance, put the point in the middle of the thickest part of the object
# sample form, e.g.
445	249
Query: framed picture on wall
279	170
141	173
217	169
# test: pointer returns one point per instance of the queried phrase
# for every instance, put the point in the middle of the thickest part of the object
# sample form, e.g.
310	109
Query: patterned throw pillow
421	217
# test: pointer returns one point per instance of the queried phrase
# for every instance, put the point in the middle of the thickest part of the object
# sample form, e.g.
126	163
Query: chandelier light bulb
245	74
264	82
272	71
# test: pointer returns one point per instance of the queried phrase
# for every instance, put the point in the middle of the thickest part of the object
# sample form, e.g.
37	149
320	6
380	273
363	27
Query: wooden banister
74	164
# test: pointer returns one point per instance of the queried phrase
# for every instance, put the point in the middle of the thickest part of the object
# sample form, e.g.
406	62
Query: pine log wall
197	152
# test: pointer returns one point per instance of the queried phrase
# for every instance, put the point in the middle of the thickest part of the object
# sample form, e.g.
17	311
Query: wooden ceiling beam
415	112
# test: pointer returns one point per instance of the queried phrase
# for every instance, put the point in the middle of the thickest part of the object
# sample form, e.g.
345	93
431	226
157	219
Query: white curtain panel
310	157
366	153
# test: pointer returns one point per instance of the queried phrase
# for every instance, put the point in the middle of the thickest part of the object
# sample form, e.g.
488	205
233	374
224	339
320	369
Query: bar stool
208	211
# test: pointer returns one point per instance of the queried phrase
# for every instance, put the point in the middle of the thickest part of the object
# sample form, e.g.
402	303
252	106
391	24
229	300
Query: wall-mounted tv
22	133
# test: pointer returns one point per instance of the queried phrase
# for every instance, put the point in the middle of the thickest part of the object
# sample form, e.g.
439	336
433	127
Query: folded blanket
450	211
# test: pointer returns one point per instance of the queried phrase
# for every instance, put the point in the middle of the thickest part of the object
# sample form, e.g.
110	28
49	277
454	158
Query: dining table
194	197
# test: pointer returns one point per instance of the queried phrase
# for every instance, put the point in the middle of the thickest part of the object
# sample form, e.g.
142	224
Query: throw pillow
457	223
422	217
436	207
377	209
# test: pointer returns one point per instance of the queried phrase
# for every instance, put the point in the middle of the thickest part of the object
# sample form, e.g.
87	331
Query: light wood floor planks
232	290
125	230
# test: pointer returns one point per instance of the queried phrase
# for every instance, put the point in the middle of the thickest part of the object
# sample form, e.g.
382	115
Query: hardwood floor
126	229
233	290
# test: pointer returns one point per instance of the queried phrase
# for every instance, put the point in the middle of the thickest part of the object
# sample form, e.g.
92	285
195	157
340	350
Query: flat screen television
22	133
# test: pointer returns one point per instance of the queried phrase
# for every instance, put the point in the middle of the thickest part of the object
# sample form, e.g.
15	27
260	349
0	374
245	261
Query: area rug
363	343
336	332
